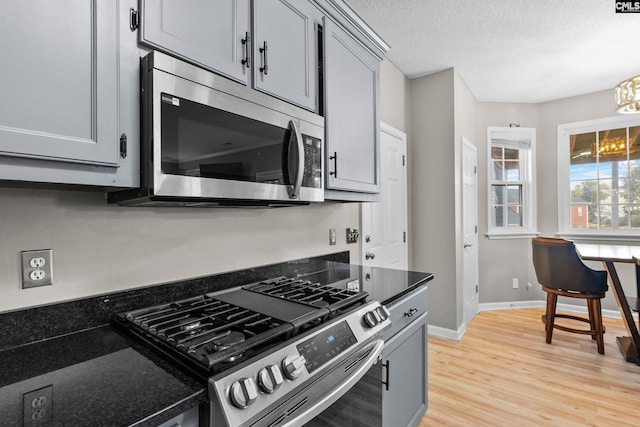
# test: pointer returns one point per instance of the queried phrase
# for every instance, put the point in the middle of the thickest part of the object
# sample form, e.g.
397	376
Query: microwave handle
294	191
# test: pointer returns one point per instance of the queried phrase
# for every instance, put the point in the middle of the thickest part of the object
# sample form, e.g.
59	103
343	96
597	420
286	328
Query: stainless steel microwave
209	141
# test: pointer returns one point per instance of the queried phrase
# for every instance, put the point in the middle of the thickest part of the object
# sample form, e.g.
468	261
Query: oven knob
243	392
370	319
293	366
382	312
270	378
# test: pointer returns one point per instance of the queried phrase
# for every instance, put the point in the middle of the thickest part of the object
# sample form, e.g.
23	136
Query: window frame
527	159
564	171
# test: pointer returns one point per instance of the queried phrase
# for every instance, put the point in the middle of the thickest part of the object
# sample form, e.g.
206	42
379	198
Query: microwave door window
199	140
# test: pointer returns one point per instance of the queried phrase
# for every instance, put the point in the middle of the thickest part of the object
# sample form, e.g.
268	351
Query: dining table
609	255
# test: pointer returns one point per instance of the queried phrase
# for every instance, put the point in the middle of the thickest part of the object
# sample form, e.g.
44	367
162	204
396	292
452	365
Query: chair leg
551	315
597	314
592	319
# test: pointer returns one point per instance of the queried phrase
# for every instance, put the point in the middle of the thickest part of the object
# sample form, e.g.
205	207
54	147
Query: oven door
204	142
359	407
313	399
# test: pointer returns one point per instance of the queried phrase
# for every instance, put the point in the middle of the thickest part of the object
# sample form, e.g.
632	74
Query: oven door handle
294	190
339	391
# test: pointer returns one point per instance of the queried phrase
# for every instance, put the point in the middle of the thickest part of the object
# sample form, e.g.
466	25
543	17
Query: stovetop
212	332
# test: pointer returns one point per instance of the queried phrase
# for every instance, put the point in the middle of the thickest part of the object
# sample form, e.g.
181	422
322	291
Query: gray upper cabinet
60	68
285	50
351	112
280	53
212	34
351	90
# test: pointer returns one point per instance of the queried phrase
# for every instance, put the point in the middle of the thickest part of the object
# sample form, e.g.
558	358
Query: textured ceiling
511	51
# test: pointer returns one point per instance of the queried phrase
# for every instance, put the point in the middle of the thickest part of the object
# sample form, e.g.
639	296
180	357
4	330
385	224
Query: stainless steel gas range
273	353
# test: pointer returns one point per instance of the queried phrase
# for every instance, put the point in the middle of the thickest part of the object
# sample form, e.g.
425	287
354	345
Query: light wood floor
503	373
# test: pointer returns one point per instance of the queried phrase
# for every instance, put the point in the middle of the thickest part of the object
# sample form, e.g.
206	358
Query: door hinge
475	169
477	289
123	145
404	237
476	229
403	159
134	19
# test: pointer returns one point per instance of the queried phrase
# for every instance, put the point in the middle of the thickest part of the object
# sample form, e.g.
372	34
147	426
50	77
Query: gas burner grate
212	332
307	292
206	329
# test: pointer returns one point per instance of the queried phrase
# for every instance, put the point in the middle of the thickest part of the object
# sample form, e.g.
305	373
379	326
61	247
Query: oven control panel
376	316
247	391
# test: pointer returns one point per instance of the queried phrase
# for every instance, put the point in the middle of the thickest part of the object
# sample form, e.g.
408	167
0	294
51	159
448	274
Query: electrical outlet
37	406
332	236
515	283
37	268
352	235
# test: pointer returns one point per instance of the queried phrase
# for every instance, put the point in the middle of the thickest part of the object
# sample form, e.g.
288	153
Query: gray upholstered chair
562	273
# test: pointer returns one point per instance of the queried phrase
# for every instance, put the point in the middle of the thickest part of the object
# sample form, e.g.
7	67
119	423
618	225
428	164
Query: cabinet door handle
335	164
246	42
386	365
265	67
411	312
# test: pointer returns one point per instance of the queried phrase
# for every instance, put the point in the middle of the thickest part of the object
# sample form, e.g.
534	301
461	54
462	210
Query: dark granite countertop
92	378
69	354
382	284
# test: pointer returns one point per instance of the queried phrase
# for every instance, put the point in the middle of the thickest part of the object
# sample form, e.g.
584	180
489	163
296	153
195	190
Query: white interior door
384	223
470	229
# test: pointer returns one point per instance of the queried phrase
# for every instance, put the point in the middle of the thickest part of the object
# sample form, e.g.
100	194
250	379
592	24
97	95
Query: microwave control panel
312	162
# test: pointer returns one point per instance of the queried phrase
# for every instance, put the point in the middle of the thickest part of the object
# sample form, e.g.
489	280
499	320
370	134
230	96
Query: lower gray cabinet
404	358
404	373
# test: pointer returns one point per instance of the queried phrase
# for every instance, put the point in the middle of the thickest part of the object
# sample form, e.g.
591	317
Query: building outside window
511	160
599	178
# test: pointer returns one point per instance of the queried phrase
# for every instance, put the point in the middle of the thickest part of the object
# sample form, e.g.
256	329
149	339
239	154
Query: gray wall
431	154
442	111
501	260
394	96
100	248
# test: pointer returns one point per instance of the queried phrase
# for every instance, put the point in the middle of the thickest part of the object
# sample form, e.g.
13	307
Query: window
511	157
599	178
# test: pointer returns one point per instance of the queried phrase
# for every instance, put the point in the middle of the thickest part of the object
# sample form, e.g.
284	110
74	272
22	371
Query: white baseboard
457	335
438	331
615	314
511	305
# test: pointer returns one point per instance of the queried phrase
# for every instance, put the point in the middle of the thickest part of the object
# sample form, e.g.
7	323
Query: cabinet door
405	358
351	112
287	30
60	81
208	33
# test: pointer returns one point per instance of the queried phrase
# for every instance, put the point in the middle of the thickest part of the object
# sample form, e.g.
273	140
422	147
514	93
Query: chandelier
610	146
628	96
